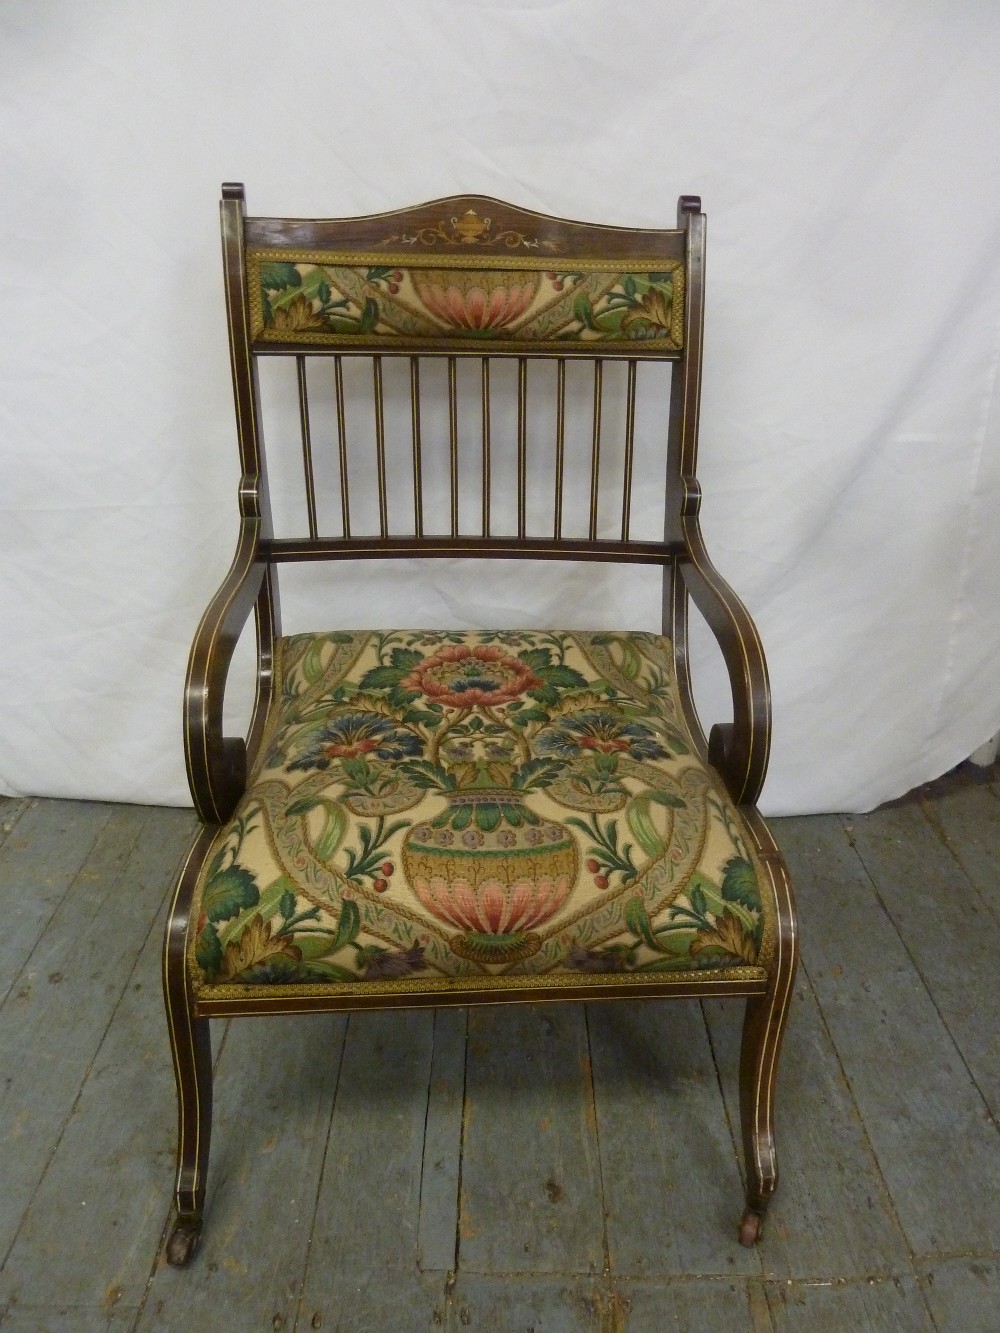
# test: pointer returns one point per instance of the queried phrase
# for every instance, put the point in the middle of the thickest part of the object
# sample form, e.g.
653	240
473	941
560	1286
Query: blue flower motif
358	735
600	731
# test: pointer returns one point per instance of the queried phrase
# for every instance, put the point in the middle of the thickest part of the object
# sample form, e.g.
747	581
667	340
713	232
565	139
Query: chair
424	818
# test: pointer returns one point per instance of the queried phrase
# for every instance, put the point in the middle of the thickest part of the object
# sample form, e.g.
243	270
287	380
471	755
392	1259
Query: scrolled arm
217	764
739	749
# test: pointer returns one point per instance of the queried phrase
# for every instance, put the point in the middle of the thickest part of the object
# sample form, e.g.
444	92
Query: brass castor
184	1241
751	1227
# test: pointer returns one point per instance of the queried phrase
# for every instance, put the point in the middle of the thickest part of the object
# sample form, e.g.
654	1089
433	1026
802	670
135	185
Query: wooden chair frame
474	230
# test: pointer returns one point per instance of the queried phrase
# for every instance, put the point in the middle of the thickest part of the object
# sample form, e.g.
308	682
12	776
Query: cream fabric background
847	157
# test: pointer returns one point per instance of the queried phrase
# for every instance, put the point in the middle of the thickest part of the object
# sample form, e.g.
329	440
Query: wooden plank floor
517	1170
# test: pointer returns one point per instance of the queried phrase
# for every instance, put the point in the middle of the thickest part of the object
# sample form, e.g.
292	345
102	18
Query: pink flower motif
479	302
463	677
492	907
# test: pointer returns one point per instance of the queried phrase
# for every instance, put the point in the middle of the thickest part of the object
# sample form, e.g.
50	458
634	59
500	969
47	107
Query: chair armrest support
217	764
738	750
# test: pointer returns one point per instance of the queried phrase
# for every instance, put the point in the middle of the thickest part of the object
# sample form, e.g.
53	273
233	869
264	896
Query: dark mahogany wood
437	228
481	230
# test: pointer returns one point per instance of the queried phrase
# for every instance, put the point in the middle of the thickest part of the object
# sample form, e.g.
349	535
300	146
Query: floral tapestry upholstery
326	298
521	807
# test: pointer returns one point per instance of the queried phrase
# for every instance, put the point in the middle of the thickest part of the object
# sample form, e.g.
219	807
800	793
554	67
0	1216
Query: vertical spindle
629	449
595	454
345	502
453	440
383	505
486	447
307	460
522	445
418	484
560	442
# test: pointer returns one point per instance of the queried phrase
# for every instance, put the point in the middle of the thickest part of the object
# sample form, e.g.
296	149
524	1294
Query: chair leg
192	1052
763	1029
191	1047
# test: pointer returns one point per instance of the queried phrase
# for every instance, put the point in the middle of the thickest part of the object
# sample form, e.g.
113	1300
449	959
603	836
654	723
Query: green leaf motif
462	817
429	777
530	715
334	828
662	797
422	716
383	677
537	773
536	658
631	661
312	663
369	316
276	277
208	951
287	904
487	817
642	826
563	677
312	947
739	883
405	659
584	311
546	695
348	925
229	892
637	920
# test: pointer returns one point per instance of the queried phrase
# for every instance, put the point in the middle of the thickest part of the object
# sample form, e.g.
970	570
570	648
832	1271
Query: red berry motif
592	865
601	881
393	288
380	885
387	868
558	284
396	275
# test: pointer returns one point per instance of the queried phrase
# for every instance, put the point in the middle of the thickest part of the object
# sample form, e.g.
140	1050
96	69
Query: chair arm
738	750
217	764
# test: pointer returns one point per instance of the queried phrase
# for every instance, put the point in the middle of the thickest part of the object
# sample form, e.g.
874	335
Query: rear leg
763	1030
190	1045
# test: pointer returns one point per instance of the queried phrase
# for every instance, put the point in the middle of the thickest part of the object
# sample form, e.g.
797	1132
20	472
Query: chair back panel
419	294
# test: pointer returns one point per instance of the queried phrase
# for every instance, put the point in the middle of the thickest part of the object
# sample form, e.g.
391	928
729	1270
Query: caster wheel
750	1228
183	1242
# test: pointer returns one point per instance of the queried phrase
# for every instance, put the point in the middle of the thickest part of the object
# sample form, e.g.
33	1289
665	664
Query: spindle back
467	279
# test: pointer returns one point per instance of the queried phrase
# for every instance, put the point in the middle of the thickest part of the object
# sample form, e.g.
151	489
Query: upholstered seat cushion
433	808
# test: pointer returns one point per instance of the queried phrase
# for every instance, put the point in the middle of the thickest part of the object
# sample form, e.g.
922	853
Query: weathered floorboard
274	1089
831	1216
964	808
112	1166
513	1304
42	854
891	1306
16	1318
531	1192
367	1215
964	1295
685	1305
671	1177
439	1182
11	810
929	1127
54	1022
947	929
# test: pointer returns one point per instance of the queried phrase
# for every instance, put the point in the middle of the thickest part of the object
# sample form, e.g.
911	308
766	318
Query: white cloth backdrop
849	161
